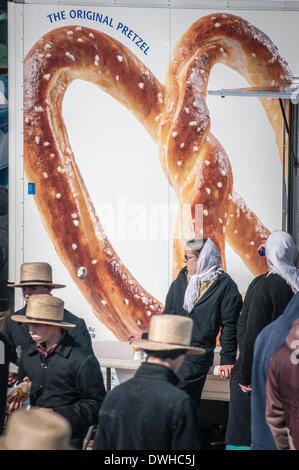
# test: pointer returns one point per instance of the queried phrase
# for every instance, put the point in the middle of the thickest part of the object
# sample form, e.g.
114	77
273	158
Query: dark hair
166	354
197	252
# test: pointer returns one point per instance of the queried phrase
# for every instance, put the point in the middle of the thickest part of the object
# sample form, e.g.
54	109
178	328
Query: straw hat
168	332
36	429
36	274
44	309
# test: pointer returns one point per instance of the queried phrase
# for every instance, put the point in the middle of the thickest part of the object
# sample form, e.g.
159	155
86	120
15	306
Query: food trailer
108	172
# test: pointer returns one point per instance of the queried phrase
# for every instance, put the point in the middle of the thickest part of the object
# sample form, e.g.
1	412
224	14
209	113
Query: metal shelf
281	92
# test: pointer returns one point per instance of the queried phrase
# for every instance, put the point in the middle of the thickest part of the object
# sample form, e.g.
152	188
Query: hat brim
29	283
3	446
24	319
155	346
4	314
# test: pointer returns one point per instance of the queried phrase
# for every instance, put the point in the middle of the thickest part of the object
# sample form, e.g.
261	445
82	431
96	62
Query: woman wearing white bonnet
207	294
204	292
266	298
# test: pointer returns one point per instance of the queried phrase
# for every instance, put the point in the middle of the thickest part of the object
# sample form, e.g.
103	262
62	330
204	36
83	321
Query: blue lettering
60	15
129	33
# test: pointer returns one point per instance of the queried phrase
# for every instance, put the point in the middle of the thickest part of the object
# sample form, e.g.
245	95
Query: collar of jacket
63	349
152	371
183	275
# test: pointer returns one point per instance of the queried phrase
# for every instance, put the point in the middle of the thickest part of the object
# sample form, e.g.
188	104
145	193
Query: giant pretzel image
176	117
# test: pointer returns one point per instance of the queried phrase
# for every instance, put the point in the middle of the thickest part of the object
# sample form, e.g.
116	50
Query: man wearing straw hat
149	411
65	377
36	278
36	429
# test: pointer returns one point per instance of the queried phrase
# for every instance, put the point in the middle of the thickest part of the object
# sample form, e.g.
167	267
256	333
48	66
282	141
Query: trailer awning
275	91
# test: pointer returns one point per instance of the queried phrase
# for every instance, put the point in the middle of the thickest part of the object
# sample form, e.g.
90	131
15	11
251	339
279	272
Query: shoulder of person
71	318
256	280
227	281
272	282
182	274
8	320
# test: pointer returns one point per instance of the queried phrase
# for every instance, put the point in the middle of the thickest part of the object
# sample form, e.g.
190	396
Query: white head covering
281	253
207	269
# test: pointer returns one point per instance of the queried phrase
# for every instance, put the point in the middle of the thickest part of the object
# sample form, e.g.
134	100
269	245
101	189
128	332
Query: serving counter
118	364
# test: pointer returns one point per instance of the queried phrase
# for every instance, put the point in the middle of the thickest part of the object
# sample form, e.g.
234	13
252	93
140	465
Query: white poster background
119	162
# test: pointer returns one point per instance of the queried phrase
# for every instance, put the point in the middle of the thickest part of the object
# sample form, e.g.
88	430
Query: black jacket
220	306
69	381
148	412
18	333
266	298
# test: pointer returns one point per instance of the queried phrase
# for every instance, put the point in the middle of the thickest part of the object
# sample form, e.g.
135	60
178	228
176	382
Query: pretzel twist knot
175	116
197	165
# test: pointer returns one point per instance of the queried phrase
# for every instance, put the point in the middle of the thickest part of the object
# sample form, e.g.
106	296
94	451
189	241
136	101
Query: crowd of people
159	407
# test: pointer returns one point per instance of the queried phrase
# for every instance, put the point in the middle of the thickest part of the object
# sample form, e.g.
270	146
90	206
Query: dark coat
267	299
148	412
220	306
4	365
282	389
69	381
268	341
18	333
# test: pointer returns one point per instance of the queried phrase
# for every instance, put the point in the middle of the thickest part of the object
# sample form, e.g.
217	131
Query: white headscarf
207	269
281	253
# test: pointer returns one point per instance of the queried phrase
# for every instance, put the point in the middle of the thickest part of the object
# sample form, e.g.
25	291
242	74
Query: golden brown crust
61	196
175	116
198	167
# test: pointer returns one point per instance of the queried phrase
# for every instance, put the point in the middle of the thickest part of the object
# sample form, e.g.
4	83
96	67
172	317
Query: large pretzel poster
130	156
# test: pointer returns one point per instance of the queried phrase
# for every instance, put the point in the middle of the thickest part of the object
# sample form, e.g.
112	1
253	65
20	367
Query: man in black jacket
36	278
149	412
65	377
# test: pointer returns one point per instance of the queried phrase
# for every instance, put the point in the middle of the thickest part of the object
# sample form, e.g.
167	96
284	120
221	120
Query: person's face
31	290
191	261
42	333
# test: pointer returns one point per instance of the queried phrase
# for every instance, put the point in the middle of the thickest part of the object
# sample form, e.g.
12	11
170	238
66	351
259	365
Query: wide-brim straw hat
36	429
36	274
44	309
169	332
